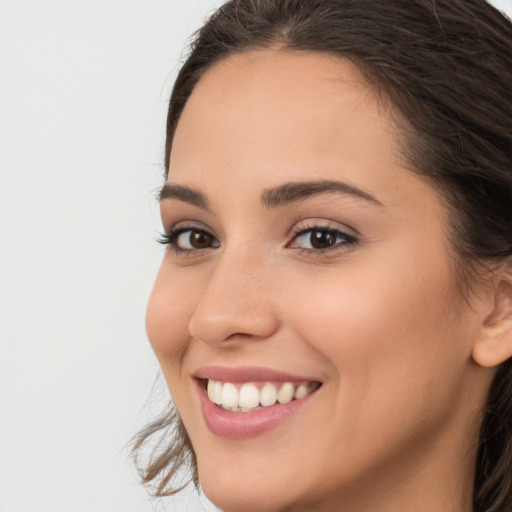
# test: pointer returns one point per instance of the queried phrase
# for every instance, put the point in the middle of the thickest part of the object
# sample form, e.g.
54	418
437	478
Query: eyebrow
292	192
273	197
184	194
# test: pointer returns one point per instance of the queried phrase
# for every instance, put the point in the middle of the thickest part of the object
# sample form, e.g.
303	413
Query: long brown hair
445	67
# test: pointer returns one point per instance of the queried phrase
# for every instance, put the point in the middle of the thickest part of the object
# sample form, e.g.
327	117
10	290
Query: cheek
372	308
391	335
168	314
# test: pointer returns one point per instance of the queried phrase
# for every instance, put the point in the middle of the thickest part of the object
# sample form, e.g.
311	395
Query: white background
83	93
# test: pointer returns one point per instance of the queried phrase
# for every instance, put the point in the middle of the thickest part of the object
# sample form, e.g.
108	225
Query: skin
380	322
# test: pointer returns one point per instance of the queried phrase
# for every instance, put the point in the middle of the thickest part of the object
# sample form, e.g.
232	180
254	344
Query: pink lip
247	374
242	425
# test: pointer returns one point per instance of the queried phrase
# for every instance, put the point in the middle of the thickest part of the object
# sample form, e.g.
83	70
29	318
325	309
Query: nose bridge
236	300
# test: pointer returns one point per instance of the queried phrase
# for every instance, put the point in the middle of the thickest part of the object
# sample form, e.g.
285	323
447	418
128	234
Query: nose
236	304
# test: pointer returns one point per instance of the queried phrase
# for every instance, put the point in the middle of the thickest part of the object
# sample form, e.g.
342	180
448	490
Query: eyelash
346	239
170	238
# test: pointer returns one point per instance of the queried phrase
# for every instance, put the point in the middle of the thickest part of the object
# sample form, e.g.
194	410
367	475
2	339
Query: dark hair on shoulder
445	69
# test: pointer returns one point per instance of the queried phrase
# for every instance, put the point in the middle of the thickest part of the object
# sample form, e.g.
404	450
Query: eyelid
171	234
350	236
319	223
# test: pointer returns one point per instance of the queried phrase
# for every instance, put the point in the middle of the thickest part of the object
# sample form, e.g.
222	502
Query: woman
333	314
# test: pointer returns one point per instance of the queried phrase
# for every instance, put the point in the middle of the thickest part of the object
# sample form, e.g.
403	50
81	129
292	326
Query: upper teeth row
250	398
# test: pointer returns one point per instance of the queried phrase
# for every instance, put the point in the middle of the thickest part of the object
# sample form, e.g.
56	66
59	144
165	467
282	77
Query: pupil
321	239
200	240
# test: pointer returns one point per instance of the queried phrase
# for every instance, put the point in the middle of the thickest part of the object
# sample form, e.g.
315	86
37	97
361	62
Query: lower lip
242	425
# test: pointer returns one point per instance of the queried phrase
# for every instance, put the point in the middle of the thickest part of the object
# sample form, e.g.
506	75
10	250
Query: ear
494	344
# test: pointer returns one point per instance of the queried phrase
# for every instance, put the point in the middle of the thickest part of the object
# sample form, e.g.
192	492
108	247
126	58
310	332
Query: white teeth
248	398
210	389
285	394
229	395
301	391
268	395
215	391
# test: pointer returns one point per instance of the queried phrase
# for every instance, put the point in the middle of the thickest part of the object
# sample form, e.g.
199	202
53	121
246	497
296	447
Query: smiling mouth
253	396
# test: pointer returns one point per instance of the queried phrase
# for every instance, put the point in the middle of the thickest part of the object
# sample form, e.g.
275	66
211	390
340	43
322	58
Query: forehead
282	105
263	75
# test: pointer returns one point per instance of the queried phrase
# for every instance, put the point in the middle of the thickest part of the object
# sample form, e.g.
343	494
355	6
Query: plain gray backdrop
83	95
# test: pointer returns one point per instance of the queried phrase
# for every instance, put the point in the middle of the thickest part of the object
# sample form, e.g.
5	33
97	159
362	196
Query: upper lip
248	374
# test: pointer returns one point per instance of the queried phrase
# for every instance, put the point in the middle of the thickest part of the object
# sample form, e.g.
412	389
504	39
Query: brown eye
194	239
200	239
322	238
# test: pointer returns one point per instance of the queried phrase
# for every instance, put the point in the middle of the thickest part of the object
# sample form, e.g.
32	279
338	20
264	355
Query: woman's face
306	263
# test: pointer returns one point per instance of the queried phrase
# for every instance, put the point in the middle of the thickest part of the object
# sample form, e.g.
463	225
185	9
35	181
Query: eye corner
162	238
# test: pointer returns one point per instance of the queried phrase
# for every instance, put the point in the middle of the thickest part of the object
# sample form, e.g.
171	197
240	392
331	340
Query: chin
231	494
249	486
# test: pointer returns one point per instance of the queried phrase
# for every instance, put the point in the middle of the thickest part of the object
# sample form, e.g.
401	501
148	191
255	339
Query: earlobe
494	344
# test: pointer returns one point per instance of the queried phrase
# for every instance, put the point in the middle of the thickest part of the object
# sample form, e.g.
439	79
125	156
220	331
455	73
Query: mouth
254	396
244	402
